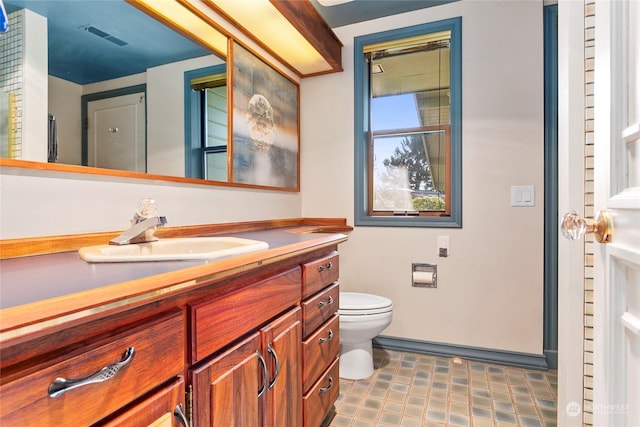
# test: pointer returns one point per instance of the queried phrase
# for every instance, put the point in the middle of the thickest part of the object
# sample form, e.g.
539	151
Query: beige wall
64	104
36	203
490	290
34	89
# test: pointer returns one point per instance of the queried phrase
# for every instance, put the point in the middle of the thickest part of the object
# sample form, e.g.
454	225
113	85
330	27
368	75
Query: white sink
189	248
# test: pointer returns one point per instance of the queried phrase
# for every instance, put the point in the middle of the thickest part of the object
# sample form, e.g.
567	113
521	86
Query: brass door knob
574	226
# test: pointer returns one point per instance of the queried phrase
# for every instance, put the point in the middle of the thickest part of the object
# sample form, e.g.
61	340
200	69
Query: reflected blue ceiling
96	40
82	56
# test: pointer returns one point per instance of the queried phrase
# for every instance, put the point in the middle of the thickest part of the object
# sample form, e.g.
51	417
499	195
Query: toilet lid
355	303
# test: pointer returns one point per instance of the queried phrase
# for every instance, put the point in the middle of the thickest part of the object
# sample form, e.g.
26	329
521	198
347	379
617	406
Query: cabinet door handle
178	414
327	388
60	386
328	338
273	354
322	303
265	374
329	266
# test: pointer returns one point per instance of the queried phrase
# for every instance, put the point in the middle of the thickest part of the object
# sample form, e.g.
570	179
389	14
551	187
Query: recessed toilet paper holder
424	275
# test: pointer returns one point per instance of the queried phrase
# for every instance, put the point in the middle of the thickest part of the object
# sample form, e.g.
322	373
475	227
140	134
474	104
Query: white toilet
362	318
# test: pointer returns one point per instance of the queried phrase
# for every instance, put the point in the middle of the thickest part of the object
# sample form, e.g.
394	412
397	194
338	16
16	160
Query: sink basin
189	248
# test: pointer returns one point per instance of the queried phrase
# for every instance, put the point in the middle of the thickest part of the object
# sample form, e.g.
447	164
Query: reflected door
116	132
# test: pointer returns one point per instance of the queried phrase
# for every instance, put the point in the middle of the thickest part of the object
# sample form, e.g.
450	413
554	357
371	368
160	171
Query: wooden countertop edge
29	246
29	320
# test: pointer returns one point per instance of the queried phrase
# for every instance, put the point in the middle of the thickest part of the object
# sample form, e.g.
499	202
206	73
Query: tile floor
408	390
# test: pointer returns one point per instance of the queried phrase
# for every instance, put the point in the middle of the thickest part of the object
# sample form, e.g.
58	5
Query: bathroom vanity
249	340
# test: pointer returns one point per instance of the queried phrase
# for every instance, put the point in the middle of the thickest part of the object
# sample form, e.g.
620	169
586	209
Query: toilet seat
358	304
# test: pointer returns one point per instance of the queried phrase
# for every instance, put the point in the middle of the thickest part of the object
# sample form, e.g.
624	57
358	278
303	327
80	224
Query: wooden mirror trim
89	170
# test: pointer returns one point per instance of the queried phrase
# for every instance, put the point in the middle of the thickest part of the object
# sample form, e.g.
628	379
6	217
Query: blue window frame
433	183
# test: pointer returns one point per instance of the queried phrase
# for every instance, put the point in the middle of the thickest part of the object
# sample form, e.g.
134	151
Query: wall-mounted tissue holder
424	275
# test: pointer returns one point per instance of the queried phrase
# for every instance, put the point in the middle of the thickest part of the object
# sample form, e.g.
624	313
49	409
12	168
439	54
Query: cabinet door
156	410
281	344
225	390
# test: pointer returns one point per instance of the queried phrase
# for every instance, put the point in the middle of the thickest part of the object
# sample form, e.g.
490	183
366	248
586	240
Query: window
206	123
408	126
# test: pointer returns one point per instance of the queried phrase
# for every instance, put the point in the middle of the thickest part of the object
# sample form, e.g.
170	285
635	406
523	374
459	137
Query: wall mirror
108	57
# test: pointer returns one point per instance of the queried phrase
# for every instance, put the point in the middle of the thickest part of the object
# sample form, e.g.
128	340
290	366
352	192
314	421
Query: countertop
42	290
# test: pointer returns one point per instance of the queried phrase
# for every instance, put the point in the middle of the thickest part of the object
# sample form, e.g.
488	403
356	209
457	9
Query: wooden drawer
319	350
319	308
219	321
320	273
320	399
158	356
155	410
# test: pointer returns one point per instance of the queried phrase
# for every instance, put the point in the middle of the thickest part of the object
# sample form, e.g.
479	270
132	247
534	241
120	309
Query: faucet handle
147	208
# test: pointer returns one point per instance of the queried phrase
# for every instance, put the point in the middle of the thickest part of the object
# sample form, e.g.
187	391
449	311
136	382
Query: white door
617	189
116	133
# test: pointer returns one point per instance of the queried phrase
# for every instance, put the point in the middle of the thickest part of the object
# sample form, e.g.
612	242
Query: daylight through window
410	125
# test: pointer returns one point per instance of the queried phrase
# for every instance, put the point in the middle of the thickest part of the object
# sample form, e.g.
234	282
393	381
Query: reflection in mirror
206	123
94	54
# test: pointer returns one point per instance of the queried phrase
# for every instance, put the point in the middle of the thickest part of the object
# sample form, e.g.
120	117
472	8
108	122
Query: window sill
408	221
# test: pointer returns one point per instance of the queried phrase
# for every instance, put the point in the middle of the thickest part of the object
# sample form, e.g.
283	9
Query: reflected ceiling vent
98	32
377	69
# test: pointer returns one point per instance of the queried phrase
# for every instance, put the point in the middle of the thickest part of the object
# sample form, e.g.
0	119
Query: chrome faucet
144	223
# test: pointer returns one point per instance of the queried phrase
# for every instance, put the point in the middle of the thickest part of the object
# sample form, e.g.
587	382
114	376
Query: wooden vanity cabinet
255	349
321	339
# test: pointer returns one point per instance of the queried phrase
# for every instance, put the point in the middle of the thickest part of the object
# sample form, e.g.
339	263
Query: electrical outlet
443	246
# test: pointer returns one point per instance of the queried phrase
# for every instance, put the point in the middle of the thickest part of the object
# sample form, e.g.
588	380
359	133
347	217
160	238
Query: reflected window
214	131
408	154
206	124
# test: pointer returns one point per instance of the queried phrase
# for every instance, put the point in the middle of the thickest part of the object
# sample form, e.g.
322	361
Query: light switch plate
523	195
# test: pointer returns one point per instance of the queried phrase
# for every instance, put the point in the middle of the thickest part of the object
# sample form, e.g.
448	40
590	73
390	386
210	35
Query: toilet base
356	360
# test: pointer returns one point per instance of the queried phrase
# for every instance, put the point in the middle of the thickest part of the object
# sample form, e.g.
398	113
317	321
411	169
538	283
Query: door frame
85	99
571	134
550	334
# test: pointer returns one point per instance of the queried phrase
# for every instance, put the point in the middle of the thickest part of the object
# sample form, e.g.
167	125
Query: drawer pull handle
60	386
329	266
327	388
178	413
328	338
322	303
273	354
265	374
